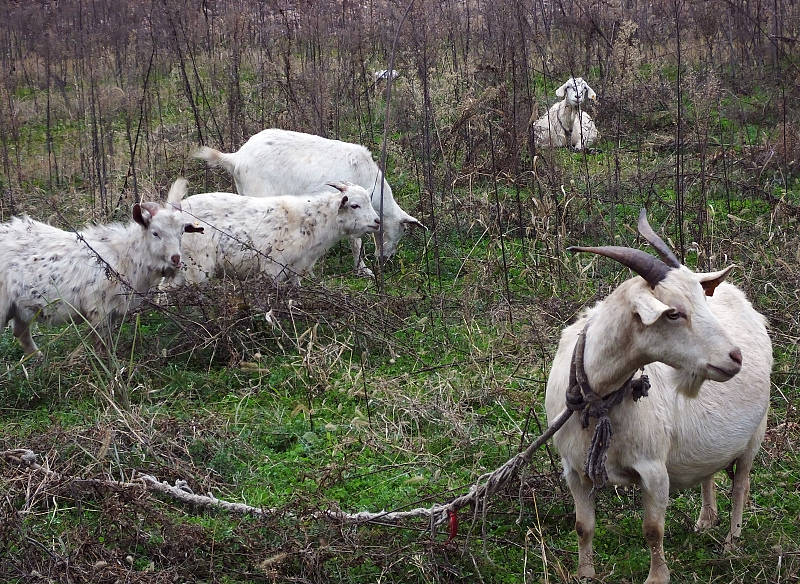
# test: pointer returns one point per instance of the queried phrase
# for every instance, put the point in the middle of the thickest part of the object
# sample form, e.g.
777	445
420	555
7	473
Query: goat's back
281	162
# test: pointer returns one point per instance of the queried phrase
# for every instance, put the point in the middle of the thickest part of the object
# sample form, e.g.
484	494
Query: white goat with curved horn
708	356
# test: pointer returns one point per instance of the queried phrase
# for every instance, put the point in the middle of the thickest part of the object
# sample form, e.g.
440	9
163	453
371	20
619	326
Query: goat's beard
687	382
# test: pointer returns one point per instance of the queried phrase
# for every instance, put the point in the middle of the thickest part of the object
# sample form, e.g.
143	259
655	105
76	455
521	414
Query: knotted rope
583	399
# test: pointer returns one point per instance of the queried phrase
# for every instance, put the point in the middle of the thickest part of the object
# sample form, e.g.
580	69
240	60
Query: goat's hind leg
22	330
708	512
21	327
741	484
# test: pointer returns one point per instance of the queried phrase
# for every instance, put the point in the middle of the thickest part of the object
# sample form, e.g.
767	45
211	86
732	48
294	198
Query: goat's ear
710	280
648	307
591	94
192	228
560	91
343	202
143	213
339	186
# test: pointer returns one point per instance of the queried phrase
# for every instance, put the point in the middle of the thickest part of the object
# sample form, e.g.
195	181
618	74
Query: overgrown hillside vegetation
397	392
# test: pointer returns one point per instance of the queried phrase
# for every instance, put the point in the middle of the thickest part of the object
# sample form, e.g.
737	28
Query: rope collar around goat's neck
583	399
567	133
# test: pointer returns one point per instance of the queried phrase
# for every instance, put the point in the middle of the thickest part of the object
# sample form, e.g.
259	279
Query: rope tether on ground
579	397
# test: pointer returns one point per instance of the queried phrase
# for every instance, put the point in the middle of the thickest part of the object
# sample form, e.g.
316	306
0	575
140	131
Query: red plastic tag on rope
453	517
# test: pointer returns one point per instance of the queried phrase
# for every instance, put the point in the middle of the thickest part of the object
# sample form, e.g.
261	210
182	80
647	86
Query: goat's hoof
36	356
659	575
77	356
586	572
706	521
731	545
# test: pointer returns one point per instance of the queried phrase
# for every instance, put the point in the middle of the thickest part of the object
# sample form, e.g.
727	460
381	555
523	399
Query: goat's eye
354	206
674	315
156	235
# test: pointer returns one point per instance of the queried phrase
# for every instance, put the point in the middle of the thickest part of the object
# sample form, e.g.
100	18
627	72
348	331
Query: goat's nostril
176	259
736	356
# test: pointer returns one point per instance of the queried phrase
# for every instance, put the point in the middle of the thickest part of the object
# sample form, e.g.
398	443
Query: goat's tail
215	158
178	191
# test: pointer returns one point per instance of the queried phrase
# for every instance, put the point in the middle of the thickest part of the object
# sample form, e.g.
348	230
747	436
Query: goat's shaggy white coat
280	236
281	162
703	412
566	124
51	275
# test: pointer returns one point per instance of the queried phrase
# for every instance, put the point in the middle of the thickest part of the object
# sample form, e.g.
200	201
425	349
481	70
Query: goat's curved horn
664	252
651	269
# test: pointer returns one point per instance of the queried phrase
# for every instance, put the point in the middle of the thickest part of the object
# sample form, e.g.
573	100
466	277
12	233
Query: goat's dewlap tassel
582	398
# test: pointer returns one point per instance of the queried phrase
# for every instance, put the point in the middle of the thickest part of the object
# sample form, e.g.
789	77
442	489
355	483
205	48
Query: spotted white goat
280	162
708	356
280	236
97	274
566	123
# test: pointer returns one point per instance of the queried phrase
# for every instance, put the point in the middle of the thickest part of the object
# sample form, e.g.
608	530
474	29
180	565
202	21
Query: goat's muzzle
729	370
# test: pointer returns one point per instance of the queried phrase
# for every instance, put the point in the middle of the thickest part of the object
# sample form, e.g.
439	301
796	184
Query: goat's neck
608	358
120	251
566	116
324	232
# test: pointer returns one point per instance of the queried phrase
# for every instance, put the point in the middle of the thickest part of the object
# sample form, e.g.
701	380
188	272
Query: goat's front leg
581	489
654	481
360	267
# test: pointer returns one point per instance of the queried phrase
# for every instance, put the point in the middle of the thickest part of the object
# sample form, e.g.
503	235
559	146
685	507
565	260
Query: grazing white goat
280	162
566	124
280	236
708	356
51	275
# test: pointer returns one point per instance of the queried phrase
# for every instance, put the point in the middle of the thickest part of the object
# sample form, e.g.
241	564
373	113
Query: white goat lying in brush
708	357
51	275
280	162
566	124
280	236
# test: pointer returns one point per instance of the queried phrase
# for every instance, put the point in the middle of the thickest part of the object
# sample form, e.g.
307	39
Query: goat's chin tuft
687	382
